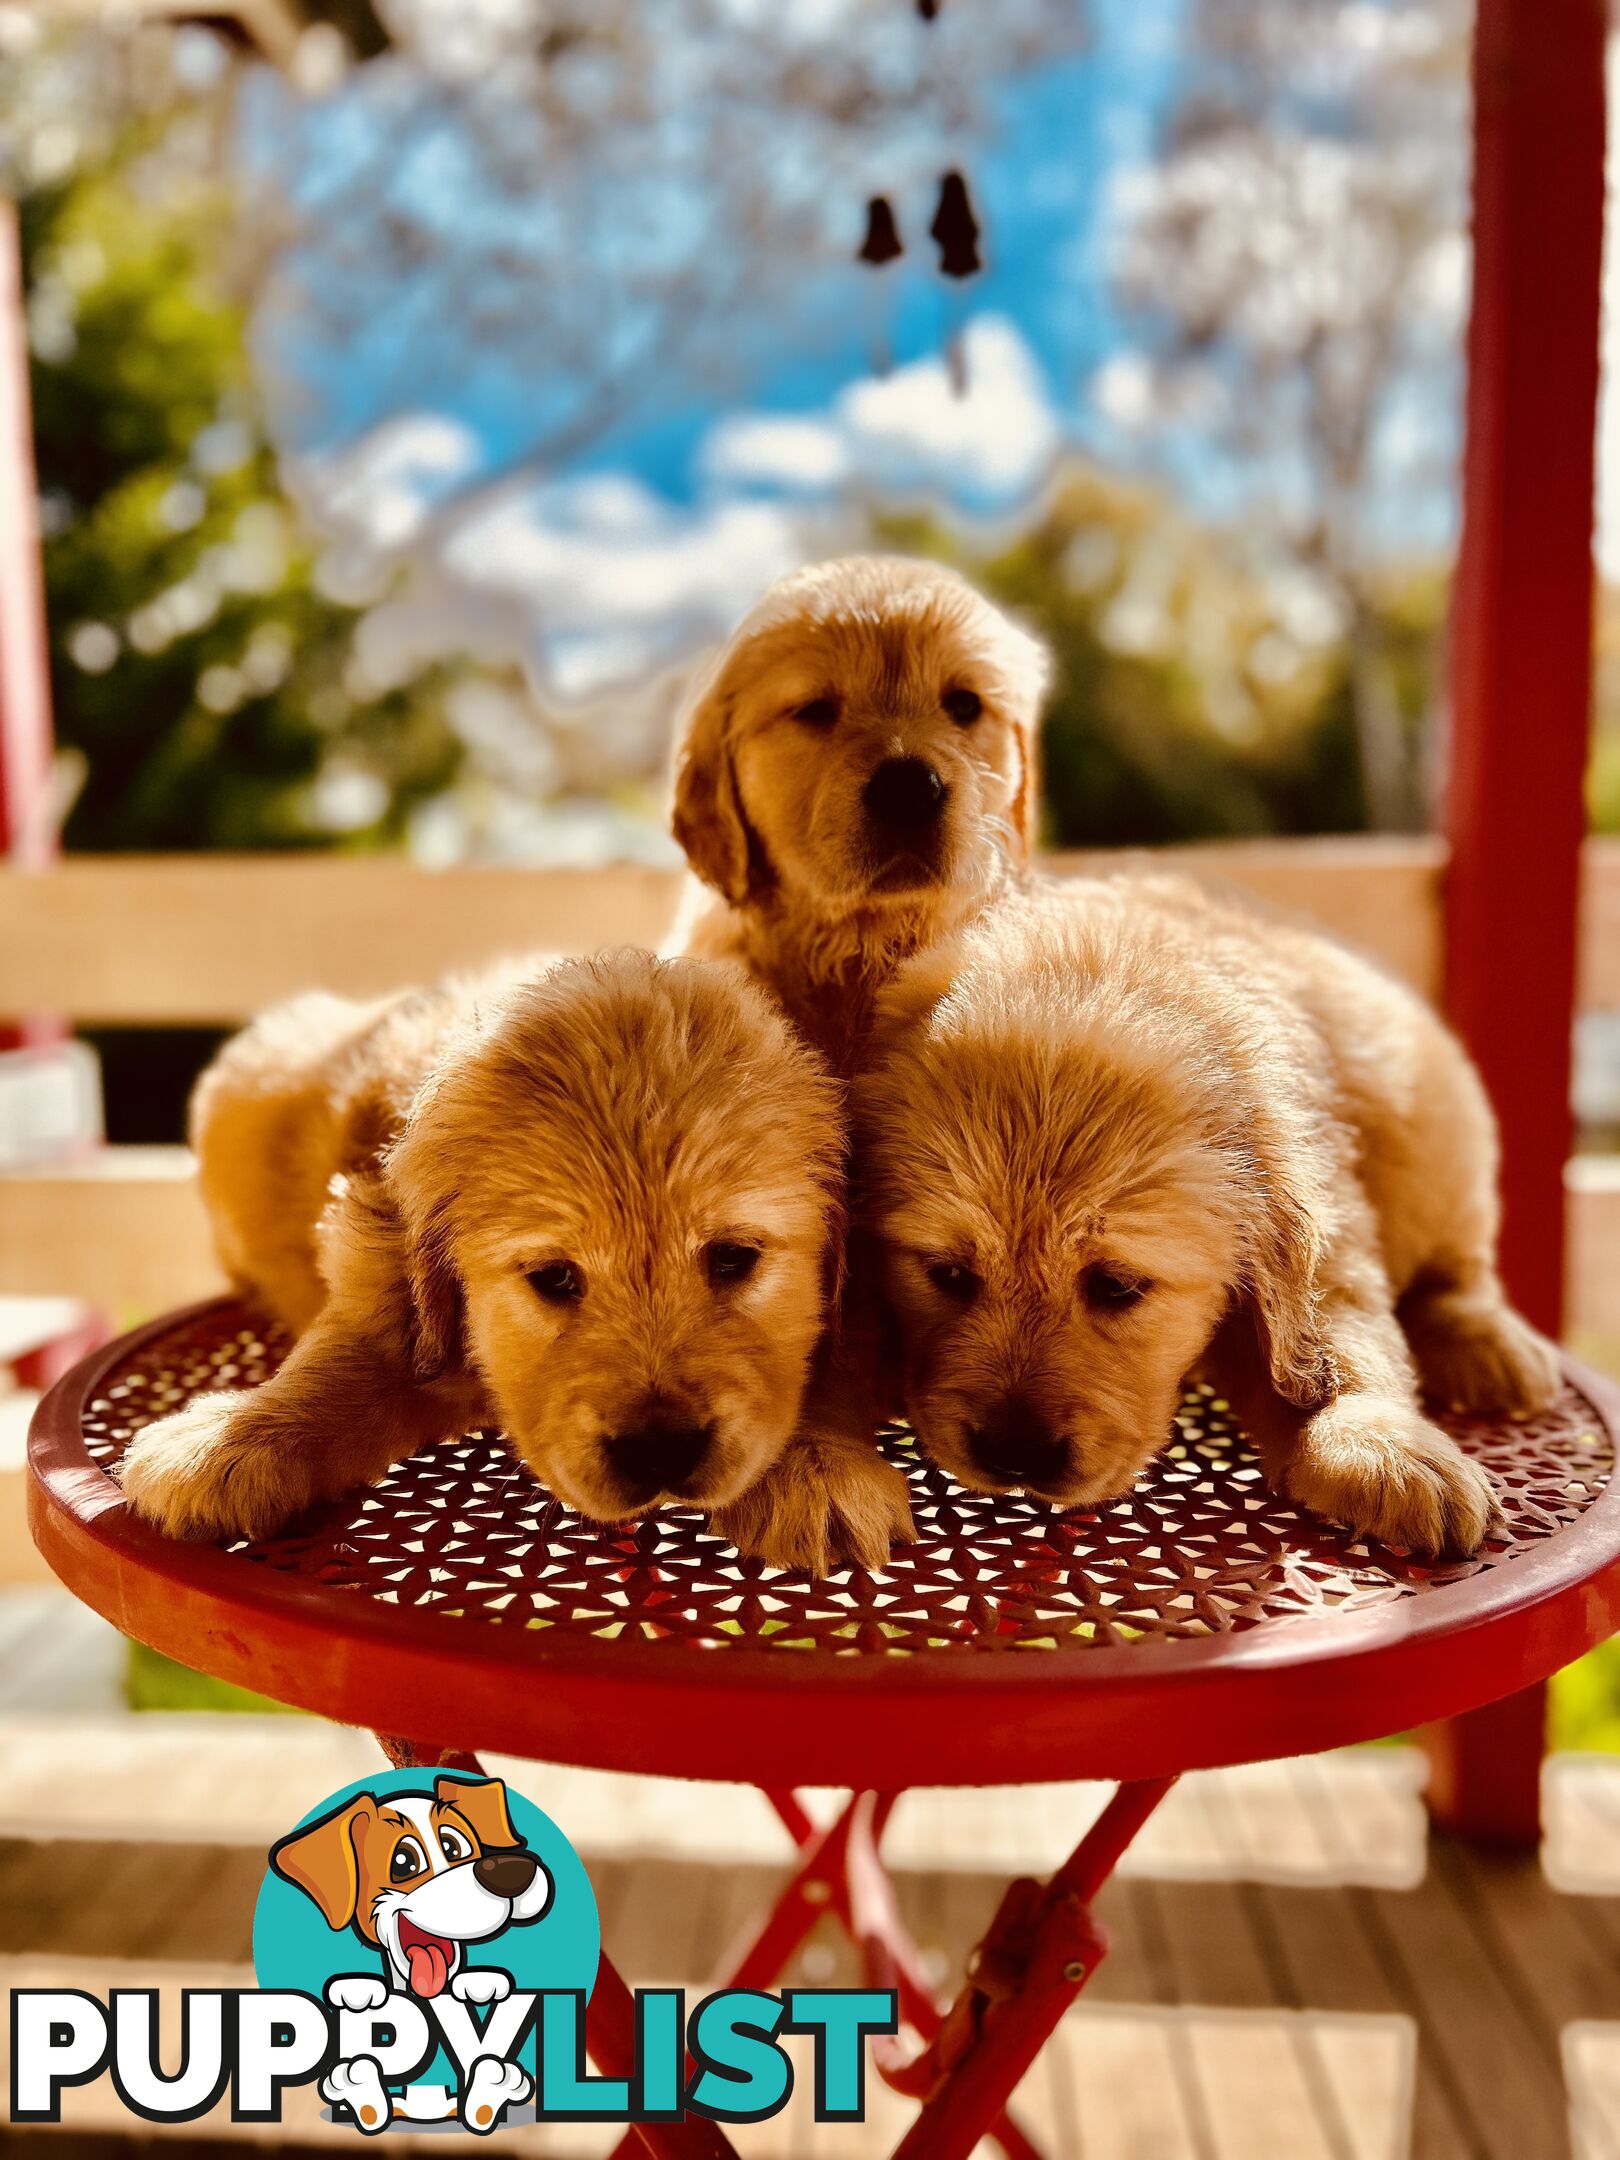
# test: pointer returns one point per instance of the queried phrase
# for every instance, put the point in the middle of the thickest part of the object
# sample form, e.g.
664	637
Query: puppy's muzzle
505	1874
905	799
1017	1446
658	1455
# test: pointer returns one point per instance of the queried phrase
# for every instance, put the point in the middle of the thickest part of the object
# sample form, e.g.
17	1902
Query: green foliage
154	1682
1585	1703
206	684
1183	704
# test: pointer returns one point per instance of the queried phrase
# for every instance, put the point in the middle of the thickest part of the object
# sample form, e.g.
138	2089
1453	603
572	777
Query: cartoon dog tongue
429	1961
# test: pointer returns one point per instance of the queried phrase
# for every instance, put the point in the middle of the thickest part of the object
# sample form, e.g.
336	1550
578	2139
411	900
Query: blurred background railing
200	943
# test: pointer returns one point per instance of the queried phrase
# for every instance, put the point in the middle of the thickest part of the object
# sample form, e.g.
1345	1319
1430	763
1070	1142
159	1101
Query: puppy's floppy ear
1026	802
1283	1272
483	1804
324	1860
416	1167
1028	671
707	813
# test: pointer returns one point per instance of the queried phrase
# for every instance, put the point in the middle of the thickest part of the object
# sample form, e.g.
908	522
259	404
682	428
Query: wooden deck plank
1215	1955
1581	1845
1260	2105
1591	2056
1507	2097
1123	2087
1559	1970
1326	1959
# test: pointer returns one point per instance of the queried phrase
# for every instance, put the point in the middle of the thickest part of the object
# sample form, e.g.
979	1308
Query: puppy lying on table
1112	1110
600	1205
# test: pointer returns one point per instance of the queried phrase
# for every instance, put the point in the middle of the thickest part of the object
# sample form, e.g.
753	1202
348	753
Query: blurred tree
204	685
1195	692
1298	263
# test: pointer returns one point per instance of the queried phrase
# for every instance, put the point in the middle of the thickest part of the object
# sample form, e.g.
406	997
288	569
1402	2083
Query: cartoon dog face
869	737
417	1875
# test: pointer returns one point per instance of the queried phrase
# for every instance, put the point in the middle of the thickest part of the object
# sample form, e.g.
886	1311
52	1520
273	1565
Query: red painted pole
1521	670
25	712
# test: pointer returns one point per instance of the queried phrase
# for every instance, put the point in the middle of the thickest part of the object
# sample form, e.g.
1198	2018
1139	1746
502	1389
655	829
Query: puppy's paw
218	1468
825	1505
492	2088
1476	1354
356	1991
358	2086
1380	1466
481	1984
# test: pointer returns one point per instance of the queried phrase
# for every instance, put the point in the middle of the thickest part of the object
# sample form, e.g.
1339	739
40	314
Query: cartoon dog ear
707	814
484	1806
324	1860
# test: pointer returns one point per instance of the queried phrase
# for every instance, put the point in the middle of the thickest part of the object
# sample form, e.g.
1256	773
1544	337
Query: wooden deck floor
1299	1970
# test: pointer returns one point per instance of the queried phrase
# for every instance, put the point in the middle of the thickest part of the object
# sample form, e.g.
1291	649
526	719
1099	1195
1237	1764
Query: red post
1521	687
25	712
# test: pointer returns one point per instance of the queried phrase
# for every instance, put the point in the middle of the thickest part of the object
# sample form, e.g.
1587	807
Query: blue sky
1042	185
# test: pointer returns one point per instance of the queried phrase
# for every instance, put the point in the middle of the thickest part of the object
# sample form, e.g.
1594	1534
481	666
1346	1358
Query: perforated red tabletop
1201	1620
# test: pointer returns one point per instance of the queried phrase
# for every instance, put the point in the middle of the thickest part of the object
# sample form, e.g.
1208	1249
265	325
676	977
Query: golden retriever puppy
855	780
600	1207
1110	1112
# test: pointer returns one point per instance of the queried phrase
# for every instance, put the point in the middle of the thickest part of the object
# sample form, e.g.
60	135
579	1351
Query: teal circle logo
441	1892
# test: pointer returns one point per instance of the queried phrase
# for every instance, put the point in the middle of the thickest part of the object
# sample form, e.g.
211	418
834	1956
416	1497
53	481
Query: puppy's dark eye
952	1280
821	712
730	1263
1104	1291
406	1859
453	1845
964	706
559	1283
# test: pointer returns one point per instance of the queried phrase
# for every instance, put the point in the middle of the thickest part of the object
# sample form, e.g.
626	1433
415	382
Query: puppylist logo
425	1945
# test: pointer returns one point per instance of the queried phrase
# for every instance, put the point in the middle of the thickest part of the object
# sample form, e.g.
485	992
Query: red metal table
1199	1621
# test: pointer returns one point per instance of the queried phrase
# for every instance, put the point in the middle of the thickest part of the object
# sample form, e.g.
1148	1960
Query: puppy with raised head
1107	1115
855	780
601	1207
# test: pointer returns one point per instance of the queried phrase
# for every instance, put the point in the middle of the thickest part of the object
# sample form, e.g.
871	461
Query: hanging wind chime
955	232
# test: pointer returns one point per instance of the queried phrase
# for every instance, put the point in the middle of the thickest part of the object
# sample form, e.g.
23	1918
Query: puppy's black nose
904	795
506	1874
1016	1445
658	1456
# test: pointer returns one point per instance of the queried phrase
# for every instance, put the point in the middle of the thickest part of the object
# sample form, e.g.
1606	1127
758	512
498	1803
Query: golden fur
394	1181
817	898
1111	1111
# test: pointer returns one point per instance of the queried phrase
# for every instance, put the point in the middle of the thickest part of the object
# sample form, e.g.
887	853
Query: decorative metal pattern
1201	1546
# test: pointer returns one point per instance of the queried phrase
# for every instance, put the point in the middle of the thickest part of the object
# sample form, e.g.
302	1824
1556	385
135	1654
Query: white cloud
914	431
595	583
380	489
777	450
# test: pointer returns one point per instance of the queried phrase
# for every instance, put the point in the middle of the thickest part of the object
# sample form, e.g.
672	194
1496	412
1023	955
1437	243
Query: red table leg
1041	1948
